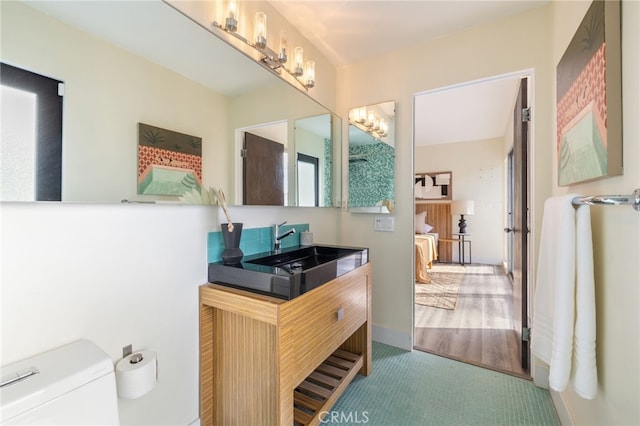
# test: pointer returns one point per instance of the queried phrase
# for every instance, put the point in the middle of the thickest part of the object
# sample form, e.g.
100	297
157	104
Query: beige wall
478	172
616	238
510	45
533	40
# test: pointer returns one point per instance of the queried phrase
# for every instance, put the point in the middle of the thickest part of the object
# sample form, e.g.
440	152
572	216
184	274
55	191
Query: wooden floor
479	330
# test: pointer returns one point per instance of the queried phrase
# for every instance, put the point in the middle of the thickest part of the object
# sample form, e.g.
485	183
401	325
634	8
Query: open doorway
473	130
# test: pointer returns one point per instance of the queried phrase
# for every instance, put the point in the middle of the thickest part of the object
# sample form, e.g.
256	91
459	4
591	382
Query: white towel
563	331
584	374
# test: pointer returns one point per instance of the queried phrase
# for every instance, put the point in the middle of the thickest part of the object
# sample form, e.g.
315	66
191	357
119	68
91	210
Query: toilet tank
72	385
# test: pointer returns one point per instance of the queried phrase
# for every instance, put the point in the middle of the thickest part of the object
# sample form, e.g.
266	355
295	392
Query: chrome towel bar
613	200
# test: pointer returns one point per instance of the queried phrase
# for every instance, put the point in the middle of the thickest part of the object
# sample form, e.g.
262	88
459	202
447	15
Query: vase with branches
231	232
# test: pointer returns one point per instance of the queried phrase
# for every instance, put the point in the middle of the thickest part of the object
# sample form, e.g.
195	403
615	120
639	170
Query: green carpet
416	388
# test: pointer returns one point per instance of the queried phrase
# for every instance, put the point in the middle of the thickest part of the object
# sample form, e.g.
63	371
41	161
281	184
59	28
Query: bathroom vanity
269	361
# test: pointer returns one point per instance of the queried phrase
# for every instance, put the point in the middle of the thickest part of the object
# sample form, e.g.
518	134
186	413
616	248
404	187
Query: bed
426	249
432	223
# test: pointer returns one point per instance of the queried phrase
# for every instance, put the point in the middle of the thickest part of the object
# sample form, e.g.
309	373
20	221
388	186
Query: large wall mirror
372	158
129	62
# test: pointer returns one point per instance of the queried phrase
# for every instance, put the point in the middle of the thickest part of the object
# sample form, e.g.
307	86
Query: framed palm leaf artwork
169	163
589	98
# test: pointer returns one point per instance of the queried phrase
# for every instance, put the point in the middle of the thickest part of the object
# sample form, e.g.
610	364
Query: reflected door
263	171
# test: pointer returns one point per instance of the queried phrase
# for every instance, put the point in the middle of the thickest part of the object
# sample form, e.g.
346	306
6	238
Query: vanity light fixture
300	74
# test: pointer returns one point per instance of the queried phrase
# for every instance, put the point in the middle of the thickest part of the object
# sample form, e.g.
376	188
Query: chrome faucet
277	237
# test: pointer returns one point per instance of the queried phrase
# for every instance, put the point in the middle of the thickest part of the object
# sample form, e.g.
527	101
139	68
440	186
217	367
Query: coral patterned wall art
589	105
169	163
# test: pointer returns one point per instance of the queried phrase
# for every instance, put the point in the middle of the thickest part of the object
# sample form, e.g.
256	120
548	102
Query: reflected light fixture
369	122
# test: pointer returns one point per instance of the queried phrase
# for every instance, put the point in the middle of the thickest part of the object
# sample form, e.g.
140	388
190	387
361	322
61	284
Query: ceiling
472	111
350	31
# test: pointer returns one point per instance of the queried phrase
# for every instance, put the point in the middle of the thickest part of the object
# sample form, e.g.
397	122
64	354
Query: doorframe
529	74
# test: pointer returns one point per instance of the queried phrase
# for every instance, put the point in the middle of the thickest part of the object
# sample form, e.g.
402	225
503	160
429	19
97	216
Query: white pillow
427	228
419	223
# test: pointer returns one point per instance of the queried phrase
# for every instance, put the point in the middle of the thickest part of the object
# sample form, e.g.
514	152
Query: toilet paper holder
136	358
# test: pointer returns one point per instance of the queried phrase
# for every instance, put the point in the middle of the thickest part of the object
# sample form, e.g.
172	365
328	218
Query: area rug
442	291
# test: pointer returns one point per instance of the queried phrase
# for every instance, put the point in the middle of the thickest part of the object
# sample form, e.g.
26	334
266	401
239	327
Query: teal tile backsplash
253	240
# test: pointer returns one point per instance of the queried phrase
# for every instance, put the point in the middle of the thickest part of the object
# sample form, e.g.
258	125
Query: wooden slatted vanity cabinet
268	361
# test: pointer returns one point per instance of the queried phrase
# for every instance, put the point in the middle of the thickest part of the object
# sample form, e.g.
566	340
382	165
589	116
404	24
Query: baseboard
540	374
391	337
561	408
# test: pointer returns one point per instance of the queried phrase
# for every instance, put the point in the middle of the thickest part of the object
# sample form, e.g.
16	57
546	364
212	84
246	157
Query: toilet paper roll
136	374
306	238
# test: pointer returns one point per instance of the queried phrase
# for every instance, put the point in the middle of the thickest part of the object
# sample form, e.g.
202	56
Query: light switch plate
383	223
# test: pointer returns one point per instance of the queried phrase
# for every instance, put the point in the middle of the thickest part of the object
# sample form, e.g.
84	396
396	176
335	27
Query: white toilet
71	385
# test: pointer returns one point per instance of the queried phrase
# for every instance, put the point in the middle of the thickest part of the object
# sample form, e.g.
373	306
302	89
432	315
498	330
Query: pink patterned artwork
169	163
588	99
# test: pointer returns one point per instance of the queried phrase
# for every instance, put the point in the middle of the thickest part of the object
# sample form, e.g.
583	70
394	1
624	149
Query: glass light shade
383	127
370	120
231	21
282	51
232	9
310	74
362	115
260	30
298	61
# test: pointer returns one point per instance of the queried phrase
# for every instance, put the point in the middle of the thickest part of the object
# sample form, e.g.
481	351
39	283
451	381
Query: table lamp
462	207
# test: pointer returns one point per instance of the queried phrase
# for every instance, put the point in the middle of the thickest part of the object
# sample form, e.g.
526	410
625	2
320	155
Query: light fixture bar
264	55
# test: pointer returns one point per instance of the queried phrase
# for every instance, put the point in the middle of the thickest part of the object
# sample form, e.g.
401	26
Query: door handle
507	230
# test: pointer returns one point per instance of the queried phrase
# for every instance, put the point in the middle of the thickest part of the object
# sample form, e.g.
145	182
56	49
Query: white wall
120	274
509	45
478	170
616	239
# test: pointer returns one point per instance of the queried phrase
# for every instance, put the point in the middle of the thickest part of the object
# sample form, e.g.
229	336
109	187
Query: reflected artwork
169	163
